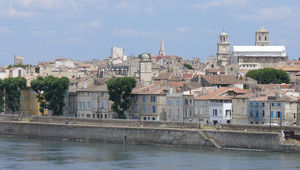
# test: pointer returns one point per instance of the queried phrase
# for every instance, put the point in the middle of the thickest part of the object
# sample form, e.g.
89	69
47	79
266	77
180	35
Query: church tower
145	69
162	51
223	53
262	37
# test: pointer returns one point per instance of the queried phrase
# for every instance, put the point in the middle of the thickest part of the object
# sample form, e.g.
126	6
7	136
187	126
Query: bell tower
223	53
262	37
162	51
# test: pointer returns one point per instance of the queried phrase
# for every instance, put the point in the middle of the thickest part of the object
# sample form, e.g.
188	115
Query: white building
18	60
260	56
117	52
216	107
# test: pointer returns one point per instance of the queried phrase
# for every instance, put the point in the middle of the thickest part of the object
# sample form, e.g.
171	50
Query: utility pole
270	117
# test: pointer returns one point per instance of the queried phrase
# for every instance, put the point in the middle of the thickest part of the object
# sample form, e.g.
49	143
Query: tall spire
162	51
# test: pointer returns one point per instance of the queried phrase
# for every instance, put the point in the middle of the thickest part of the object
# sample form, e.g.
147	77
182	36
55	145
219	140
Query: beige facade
240	110
223	53
148	107
145	69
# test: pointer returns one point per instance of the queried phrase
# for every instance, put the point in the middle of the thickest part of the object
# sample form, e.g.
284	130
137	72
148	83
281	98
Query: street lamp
270	118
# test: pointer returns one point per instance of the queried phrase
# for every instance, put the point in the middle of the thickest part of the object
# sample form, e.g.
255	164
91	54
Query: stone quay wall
148	135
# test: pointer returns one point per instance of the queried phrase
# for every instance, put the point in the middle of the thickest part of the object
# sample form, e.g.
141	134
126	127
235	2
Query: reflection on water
17	153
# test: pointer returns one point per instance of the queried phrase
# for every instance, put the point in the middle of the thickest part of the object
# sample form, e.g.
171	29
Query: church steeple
162	51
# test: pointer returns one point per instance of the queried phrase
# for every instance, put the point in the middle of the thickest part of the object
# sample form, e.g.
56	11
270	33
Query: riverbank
268	141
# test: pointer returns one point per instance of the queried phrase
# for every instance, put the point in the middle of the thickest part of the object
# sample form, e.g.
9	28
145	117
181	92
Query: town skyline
83	31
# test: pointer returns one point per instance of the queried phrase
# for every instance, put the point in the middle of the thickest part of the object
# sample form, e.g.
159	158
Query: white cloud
182	29
39	32
214	4
134	33
270	14
5	30
14	13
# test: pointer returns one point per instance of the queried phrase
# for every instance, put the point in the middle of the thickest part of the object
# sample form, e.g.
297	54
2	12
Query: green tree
38	86
119	92
51	93
188	66
12	91
269	75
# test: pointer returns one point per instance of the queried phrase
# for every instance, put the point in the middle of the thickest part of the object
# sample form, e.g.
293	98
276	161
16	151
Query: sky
41	30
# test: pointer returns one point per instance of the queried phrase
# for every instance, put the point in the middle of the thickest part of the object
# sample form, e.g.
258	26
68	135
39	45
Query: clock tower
223	53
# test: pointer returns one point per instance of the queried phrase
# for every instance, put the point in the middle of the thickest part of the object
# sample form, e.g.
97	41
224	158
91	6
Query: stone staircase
211	140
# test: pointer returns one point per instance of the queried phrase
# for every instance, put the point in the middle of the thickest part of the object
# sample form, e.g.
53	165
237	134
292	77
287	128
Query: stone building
93	103
262	37
261	55
148	103
223	50
180	108
145	69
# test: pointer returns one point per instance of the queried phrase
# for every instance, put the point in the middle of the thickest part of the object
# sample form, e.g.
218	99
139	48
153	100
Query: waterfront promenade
135	132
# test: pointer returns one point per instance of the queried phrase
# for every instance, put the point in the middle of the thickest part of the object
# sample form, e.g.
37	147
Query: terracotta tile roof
221	79
177	84
215	70
162	76
155	88
95	88
221	94
187	76
290	68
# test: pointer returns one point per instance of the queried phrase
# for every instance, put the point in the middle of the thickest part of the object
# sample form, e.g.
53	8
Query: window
263	104
136	108
265	38
153	118
263	113
153	109
279	104
145	118
272	114
259	38
278	114
243	110
272	104
153	98
144	108
144	99
215	112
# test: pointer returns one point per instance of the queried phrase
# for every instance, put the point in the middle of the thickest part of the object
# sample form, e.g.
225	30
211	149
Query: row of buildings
213	92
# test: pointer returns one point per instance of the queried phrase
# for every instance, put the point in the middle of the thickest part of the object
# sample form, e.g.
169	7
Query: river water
20	153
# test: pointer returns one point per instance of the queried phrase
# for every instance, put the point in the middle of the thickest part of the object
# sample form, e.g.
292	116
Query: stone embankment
135	132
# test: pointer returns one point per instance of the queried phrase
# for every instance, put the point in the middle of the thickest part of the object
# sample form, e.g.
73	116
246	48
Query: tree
269	75
51	93
38	86
12	91
188	66
119	92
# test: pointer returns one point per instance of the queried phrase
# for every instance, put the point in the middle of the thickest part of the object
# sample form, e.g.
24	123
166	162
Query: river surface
20	153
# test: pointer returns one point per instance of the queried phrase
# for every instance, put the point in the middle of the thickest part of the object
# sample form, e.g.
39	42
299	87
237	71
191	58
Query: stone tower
162	51
145	69
223	53
262	37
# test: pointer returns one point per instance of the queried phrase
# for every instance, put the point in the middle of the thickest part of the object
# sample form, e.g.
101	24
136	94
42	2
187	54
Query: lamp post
270	118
